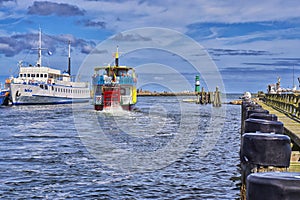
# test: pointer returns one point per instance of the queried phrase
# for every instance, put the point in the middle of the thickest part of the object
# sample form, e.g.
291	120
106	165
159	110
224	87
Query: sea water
164	149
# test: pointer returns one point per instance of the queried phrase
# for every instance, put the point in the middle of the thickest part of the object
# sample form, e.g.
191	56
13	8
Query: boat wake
116	110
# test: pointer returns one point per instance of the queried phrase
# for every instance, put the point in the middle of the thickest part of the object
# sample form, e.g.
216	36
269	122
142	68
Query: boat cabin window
37	75
122	72
28	75
21	75
42	75
45	75
32	75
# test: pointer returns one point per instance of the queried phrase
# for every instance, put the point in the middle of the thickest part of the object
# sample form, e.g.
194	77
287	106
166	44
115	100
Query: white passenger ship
43	85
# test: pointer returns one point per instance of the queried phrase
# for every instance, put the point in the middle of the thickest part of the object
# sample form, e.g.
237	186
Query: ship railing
103	79
71	84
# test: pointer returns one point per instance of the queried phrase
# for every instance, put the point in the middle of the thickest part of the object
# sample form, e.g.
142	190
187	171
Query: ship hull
23	94
124	107
46	100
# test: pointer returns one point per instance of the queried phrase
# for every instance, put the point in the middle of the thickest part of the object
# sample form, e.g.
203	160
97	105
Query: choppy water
165	150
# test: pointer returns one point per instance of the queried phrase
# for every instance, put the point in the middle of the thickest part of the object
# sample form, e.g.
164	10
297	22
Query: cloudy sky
251	42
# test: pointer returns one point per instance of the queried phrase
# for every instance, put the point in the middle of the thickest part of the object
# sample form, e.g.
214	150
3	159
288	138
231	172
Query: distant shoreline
166	94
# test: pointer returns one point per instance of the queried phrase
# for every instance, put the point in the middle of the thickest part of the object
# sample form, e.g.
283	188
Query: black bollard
263	126
265	116
261	152
273	186
256	110
246	106
265	149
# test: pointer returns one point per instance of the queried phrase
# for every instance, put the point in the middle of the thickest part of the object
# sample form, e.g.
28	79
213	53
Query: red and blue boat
114	86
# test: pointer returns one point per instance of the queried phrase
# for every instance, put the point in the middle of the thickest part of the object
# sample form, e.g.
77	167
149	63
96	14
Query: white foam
115	110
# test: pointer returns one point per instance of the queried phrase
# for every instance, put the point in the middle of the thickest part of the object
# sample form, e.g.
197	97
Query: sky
251	43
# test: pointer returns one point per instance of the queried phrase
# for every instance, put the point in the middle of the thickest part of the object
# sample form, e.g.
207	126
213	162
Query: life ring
49	81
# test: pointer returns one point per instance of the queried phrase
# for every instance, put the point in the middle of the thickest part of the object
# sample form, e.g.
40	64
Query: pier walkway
287	109
291	126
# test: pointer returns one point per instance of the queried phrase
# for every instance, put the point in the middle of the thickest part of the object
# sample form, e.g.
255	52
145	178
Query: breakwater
202	97
149	93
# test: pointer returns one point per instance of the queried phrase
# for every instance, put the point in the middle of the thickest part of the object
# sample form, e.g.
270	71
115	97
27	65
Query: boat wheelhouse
114	86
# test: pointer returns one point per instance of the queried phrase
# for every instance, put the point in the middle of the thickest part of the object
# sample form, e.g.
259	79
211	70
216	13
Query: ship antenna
117	57
39	61
69	59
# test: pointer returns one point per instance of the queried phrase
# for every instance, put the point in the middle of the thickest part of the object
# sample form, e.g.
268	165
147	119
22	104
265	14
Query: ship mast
39	61
117	57
69	59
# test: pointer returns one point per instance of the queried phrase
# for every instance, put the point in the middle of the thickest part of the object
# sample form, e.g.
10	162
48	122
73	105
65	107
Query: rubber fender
266	149
273	186
265	116
263	126
248	105
257	110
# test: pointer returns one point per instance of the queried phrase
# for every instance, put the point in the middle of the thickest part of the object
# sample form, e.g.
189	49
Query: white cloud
179	14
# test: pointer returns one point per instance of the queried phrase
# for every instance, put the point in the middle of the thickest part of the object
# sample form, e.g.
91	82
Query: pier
270	147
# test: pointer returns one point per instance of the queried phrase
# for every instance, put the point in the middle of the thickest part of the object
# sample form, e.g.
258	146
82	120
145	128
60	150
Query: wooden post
217	98
202	95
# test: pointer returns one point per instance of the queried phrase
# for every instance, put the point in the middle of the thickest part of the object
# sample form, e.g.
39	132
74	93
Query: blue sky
251	42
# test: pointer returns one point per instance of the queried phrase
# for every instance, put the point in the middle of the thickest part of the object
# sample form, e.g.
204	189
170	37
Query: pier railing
286	103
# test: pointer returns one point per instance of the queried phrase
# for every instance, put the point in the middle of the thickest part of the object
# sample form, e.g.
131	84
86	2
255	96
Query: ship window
24	75
28	75
45	75
37	75
46	87
21	75
41	75
42	86
32	75
122	91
